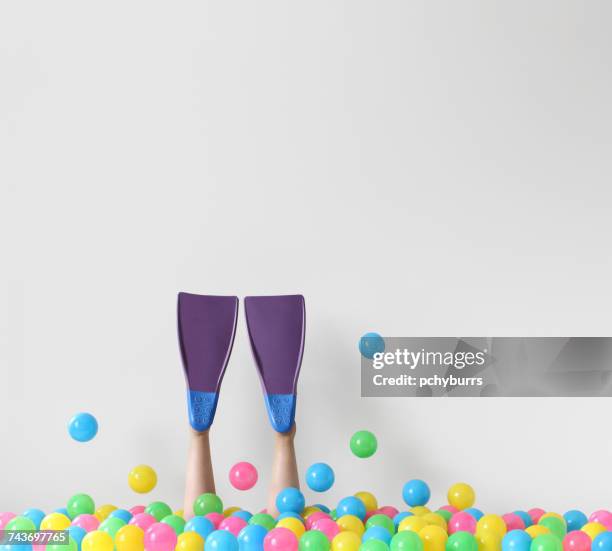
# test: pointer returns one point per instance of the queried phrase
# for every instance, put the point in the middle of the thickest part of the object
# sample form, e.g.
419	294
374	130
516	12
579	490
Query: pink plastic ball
243	475
280	539
535	514
462	522
513	522
89	523
233	525
388	510
160	537
5	518
143	521
311	519
327	526
370	514
577	540
603	517
39	547
137	509
449	508
215	518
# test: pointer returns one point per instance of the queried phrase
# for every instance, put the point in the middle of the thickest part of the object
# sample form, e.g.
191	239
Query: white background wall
413	168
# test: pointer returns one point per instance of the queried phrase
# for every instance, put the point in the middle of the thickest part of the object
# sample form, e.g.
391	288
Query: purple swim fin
206	328
276	329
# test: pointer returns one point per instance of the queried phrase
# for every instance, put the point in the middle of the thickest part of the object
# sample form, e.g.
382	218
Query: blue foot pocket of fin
281	410
202	407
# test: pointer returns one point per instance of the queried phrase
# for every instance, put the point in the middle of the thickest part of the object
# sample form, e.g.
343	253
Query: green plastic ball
555	525
461	541
381	520
364	444
207	503
333	514
314	540
80	504
406	540
159	510
263	519
112	525
20	524
546	542
374	545
177	523
446	515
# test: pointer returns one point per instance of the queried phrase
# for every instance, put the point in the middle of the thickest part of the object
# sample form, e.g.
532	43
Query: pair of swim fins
206	329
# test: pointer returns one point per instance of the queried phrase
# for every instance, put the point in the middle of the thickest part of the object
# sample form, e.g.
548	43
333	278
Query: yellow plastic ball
593	529
488	541
492	523
346	541
434	538
555	515
420	510
103	511
369	500
55	521
142	479
230	511
293	524
189	541
309	510
435	519
536	530
97	541
351	523
461	495
414	523
129	538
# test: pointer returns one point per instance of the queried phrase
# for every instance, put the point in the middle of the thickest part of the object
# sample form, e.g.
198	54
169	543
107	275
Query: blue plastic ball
289	514
370	344
199	525
35	515
320	477
516	540
221	540
602	542
401	516
244	515
77	534
416	492
251	537
290	499
377	533
351	505
525	516
323	508
63	511
83	427
123	514
575	520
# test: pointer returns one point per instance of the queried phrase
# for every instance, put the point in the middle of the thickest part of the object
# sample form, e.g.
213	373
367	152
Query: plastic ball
446	515
290	499
243	475
207	503
160	537
80	504
175	522
111	526
292	524
129	538
364	444
546	542
35	515
314	517
320	477
376	533
215	518
309	509
462	522
488	541
476	513
516	540
535	514
97	541
21	524
603	542
77	534
416	492
492	523
593	529
413	523
374	545
263	519
603	517
462	541
401	516
369	500
370	344
142	479
420	510
232	524
137	509
351	505
221	540
536	530
104	511
251	537
461	495
434	538
244	515
159	510
575	520
435	518
322	507
351	523
576	540
527	521
347	541
199	525
83	427
381	520
55	521
143	521
328	526
279	539
410	541
555	525
89	523
123	514
314	540
5	518
189	541
513	522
